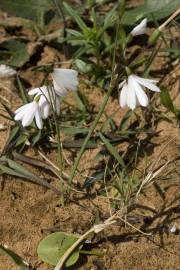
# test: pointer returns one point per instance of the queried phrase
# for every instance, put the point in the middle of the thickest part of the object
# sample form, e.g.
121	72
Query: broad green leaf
53	247
152	9
83	66
16	258
9	171
76	34
28	9
78	143
113	151
74	130
17	50
21	139
19	168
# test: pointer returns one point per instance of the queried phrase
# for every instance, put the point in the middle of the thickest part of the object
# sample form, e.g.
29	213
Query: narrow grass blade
22	91
112	149
76	17
16	258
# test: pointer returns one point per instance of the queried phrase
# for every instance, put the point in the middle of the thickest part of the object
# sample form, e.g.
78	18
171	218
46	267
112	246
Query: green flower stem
60	158
83	147
91	252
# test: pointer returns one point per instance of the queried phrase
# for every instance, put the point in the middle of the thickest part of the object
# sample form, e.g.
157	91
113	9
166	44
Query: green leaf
74	130
22	91
53	247
28	9
16	258
166	100
151	9
21	139
83	66
78	143
76	17
13	134
19	168
125	120
9	171
36	138
18	52
111	149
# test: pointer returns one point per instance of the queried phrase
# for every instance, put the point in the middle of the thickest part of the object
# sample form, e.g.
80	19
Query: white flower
173	229
27	113
140	29
6	71
132	93
46	99
64	80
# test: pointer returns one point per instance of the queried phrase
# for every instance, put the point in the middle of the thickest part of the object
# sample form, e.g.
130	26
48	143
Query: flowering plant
57	114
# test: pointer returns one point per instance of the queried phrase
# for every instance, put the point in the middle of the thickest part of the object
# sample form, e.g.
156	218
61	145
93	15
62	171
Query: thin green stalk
52	100
91	252
105	100
77	160
60	11
60	158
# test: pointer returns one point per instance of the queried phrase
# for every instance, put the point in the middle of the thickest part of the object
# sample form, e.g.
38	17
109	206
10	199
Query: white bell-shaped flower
64	80
133	94
140	29
47	98
6	71
27	113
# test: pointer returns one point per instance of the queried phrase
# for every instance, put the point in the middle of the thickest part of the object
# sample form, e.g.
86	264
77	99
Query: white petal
19	116
38	119
123	96
23	110
60	90
141	95
64	79
28	117
147	83
23	107
43	100
6	71
140	29
131	95
44	109
140	79
38	90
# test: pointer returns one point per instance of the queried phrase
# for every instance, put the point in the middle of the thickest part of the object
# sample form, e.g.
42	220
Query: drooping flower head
47	98
6	71
140	29
64	80
133	94
27	113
